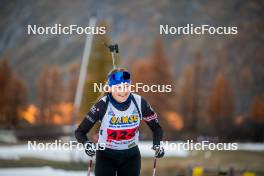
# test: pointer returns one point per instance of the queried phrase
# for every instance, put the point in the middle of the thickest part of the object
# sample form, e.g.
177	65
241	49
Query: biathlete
119	114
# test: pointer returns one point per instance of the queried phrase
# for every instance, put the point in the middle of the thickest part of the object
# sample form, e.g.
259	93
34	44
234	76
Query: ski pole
113	60
154	166
113	49
90	163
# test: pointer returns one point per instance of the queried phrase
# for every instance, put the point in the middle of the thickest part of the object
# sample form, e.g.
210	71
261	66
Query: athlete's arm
89	120
150	117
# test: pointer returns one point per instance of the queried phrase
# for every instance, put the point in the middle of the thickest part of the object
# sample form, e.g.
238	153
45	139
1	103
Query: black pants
118	162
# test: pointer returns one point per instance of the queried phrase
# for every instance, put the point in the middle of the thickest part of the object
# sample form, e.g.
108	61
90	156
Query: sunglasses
118	78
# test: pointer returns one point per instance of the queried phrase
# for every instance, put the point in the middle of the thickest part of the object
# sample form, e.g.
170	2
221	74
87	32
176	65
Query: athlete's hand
89	148
159	151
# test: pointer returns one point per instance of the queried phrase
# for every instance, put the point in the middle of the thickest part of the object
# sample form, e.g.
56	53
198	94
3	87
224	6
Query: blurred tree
186	94
157	71
190	94
257	109
221	105
50	92
161	74
196	90
5	75
13	96
17	94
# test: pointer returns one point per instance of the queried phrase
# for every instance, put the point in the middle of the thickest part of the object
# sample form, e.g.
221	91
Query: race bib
124	134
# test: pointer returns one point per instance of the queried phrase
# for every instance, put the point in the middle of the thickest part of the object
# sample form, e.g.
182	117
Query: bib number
121	134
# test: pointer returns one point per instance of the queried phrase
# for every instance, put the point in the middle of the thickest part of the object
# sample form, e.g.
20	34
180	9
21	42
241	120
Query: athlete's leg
130	167
104	165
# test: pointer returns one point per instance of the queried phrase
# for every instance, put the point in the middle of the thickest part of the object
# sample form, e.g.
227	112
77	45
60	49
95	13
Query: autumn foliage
12	96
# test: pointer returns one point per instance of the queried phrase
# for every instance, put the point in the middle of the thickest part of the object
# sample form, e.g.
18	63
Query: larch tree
257	109
190	94
185	96
221	105
156	70
13	96
50	92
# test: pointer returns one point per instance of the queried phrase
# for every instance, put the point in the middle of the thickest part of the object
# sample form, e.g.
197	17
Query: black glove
159	151
89	148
